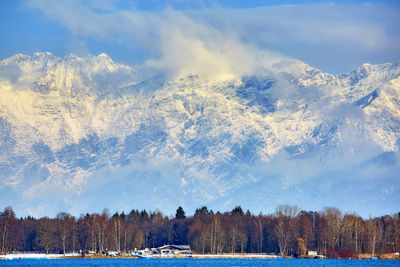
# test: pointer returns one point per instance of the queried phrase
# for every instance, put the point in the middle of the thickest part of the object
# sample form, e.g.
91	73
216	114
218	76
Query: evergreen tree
237	210
180	213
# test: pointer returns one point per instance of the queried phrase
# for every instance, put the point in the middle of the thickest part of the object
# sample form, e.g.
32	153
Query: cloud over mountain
212	38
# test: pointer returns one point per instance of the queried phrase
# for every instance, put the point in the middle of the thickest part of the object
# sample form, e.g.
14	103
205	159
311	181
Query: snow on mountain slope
75	127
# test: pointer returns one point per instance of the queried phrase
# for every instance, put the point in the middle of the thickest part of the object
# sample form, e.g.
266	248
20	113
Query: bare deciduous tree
285	216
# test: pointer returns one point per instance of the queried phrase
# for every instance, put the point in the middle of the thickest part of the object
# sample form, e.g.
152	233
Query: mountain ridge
66	121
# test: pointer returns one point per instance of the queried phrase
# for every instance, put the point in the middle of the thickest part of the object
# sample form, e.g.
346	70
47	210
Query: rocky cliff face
87	132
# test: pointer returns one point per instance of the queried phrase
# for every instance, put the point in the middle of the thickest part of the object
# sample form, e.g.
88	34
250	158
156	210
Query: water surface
199	262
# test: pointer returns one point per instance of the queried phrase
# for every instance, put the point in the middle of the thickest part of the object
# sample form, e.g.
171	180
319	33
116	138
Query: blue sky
335	36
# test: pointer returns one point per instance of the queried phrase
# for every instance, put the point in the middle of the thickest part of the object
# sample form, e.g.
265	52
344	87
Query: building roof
181	247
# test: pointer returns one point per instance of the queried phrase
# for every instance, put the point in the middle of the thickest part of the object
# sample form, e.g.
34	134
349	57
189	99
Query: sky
334	36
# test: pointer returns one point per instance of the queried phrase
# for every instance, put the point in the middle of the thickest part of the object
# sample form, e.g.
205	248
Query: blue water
198	262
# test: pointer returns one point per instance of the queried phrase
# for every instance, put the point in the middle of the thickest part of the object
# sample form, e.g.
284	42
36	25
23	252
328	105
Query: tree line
288	231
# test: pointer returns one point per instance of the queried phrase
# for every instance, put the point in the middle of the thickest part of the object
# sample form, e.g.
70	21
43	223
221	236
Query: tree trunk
63	239
260	248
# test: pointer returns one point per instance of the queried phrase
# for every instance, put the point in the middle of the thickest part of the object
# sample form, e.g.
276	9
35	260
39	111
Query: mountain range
85	133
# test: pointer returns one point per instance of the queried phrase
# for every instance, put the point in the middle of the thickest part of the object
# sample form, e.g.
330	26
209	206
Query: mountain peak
71	75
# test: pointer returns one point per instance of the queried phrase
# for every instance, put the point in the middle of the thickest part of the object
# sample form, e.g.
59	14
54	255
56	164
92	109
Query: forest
288	232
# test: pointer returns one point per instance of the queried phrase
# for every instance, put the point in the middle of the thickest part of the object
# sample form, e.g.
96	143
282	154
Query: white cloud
222	42
84	20
10	72
189	48
312	24
329	36
179	45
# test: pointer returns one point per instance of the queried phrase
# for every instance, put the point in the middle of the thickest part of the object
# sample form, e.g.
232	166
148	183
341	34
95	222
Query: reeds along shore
288	232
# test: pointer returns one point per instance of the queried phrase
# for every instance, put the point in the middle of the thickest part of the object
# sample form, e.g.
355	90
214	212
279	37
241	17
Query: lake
198	262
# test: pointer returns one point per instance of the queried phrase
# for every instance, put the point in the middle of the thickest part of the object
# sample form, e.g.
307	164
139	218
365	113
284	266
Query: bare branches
288	231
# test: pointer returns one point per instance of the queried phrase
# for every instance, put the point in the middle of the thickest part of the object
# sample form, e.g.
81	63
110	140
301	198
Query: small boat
146	256
145	253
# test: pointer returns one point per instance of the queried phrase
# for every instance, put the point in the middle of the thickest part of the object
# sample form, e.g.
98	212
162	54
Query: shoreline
194	256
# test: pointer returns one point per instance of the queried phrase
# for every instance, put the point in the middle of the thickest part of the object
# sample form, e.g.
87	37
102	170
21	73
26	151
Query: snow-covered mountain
81	133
